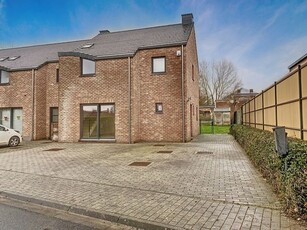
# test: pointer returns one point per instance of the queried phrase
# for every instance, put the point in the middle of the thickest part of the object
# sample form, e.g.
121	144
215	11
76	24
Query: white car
9	136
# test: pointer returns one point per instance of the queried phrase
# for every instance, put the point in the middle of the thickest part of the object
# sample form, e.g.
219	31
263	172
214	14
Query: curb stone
120	219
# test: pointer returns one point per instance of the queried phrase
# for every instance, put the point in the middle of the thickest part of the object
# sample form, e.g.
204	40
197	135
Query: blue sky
261	37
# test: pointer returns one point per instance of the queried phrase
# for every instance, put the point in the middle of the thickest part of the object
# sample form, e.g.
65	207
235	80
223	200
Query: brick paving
180	190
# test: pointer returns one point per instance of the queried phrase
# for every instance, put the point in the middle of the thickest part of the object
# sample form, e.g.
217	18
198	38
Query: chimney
187	19
251	90
104	31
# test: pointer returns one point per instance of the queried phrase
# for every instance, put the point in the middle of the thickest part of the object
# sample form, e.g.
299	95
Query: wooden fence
282	104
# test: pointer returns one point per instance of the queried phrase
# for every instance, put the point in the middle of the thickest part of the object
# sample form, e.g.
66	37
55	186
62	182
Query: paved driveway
206	184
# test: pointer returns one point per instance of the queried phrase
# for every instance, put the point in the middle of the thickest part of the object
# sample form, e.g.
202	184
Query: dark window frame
152	65
57	75
81	68
98	121
157	108
52	115
7	83
193	77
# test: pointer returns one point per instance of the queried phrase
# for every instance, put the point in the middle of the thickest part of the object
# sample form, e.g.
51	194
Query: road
19	215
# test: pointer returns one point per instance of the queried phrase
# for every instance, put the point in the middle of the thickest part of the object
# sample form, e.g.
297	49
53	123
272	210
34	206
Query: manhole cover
54	149
164	151
204	152
140	163
159	145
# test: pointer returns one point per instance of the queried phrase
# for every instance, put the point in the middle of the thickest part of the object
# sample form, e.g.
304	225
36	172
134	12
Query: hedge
288	180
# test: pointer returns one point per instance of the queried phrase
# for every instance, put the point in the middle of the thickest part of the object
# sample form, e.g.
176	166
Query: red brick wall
150	89
110	85
52	87
19	94
191	88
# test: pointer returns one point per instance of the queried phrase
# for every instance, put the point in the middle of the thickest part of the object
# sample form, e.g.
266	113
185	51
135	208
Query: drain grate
159	145
204	152
164	151
54	149
140	163
47	142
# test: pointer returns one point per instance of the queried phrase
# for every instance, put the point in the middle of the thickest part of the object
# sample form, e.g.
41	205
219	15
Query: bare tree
217	80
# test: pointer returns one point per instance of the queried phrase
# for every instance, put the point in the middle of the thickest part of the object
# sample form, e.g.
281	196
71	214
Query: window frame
87	74
6	83
81	138
157	108
193	77
152	65
57	75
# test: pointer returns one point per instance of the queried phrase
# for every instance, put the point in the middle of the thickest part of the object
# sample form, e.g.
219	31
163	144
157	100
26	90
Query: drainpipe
129	97
33	103
182	96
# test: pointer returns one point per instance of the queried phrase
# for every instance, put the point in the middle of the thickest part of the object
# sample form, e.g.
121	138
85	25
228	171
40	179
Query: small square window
158	65
88	67
159	108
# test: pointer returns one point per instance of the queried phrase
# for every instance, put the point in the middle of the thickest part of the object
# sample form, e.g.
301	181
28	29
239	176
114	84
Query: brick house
125	86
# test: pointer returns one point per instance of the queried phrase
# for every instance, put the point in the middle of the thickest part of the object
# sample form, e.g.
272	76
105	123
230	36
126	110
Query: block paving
180	190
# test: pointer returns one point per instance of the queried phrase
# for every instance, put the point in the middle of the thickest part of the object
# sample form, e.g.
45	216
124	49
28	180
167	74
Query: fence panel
282	104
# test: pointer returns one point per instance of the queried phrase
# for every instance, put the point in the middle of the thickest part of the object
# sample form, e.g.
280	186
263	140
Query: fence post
249	113
300	100
262	110
255	112
275	89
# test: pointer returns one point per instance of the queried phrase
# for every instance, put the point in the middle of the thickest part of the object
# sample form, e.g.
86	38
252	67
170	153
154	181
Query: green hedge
290	183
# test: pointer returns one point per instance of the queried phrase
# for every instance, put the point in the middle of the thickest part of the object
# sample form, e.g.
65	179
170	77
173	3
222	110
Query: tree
217	80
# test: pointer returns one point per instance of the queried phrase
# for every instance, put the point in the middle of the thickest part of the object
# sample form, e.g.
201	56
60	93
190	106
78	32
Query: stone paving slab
180	190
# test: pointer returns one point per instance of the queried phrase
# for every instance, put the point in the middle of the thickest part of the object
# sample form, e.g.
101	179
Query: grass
216	129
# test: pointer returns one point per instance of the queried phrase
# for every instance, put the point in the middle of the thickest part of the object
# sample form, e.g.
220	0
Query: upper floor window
4	77
193	72
88	67
57	76
158	65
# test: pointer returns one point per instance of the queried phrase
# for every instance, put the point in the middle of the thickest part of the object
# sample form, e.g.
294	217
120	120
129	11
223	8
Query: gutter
33	103
129	98
182	96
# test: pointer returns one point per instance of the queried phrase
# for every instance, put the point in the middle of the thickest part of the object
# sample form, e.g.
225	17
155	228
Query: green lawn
216	129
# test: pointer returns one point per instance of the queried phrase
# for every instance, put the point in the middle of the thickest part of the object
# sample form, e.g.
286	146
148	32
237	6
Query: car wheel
14	141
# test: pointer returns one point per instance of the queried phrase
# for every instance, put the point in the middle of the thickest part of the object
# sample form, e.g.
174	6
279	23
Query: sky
260	37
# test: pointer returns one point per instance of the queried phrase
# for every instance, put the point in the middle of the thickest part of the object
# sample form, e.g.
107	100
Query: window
54	115
11	118
88	67
158	65
98	121
13	58
86	46
159	108
57	75
192	72
4	77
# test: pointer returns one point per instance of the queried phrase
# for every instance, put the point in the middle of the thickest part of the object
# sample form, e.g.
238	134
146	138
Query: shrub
287	175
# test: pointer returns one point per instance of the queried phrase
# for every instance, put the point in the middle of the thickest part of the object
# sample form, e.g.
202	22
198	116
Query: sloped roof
106	45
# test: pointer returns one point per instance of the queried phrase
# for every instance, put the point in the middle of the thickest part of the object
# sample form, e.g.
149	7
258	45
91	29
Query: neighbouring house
124	86
227	111
221	112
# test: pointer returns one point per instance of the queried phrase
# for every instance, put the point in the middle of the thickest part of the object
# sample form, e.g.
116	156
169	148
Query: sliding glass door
98	121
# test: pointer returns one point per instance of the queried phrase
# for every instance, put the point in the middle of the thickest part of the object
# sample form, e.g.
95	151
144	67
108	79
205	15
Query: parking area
207	183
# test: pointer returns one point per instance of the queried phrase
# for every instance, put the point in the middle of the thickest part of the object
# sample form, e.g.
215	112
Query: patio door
98	121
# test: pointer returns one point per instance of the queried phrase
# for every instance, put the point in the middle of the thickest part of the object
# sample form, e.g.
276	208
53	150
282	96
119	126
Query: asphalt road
19	215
